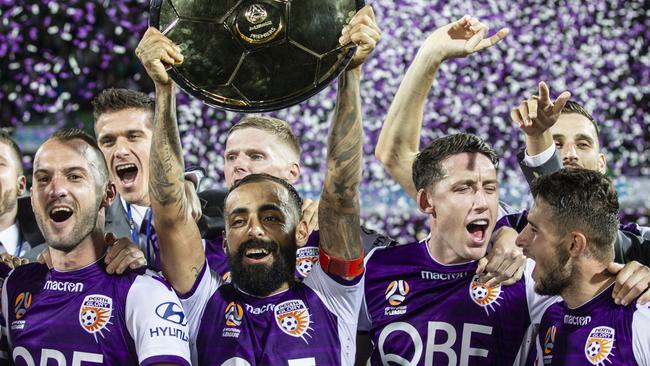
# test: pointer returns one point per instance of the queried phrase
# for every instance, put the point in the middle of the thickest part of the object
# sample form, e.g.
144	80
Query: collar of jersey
457	267
592	303
83	272
261	297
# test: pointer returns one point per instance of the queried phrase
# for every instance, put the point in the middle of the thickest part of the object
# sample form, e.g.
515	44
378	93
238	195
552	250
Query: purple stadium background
56	55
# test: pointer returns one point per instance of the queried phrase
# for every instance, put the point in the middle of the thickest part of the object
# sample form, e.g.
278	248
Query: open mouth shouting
126	174
477	230
60	214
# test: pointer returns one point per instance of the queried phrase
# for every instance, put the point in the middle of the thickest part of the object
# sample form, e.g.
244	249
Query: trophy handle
154	13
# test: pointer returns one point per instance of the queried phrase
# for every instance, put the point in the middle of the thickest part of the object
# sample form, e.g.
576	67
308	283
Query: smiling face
463	206
261	236
577	142
251	150
125	140
67	192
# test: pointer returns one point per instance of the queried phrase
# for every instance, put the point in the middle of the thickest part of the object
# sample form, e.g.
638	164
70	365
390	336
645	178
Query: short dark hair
15	150
69	134
582	200
115	100
294	196
575	107
274	126
427	167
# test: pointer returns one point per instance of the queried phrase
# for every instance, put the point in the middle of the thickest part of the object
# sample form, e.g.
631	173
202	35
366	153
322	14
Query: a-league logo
95	314
599	345
549	344
549	340
293	318
227	278
22	303
396	292
234	314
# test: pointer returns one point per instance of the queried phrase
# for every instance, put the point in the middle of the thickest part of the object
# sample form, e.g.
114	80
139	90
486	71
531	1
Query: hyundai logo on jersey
172	312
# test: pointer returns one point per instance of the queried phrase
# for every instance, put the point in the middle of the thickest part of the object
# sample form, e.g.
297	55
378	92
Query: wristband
340	267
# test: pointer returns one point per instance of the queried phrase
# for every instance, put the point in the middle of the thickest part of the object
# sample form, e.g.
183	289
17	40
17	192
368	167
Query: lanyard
19	247
149	241
134	232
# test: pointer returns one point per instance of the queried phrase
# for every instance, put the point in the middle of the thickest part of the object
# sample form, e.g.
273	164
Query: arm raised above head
181	250
338	210
399	139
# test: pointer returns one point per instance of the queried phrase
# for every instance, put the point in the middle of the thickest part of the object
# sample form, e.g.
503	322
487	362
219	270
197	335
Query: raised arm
399	139
536	115
181	250
338	211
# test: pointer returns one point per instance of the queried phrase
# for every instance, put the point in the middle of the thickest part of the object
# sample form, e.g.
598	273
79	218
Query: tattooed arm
338	211
181	250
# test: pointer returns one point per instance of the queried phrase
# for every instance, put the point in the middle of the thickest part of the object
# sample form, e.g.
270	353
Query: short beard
81	230
8	200
558	277
260	279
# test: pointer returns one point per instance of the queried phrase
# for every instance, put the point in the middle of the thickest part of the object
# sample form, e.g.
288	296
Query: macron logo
577	320
428	275
63	286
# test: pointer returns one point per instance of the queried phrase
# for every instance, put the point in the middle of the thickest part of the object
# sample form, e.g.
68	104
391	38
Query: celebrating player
561	133
423	301
399	140
75	313
570	234
123	125
264	317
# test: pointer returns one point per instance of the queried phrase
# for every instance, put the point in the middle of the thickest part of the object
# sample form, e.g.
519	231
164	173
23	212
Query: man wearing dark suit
123	126
562	134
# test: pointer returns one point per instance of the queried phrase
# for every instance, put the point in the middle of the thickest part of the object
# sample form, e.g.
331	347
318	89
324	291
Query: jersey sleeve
370	239
641	335
364	324
157	323
536	357
5	356
195	301
342	298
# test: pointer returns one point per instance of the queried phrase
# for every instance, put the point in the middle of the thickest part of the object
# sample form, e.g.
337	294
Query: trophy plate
255	55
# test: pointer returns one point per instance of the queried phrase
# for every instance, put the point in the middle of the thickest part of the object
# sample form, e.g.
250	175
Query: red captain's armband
340	267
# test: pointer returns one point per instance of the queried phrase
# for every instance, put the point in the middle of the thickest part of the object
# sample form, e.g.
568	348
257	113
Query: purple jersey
596	333
88	317
4	346
421	312
312	323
